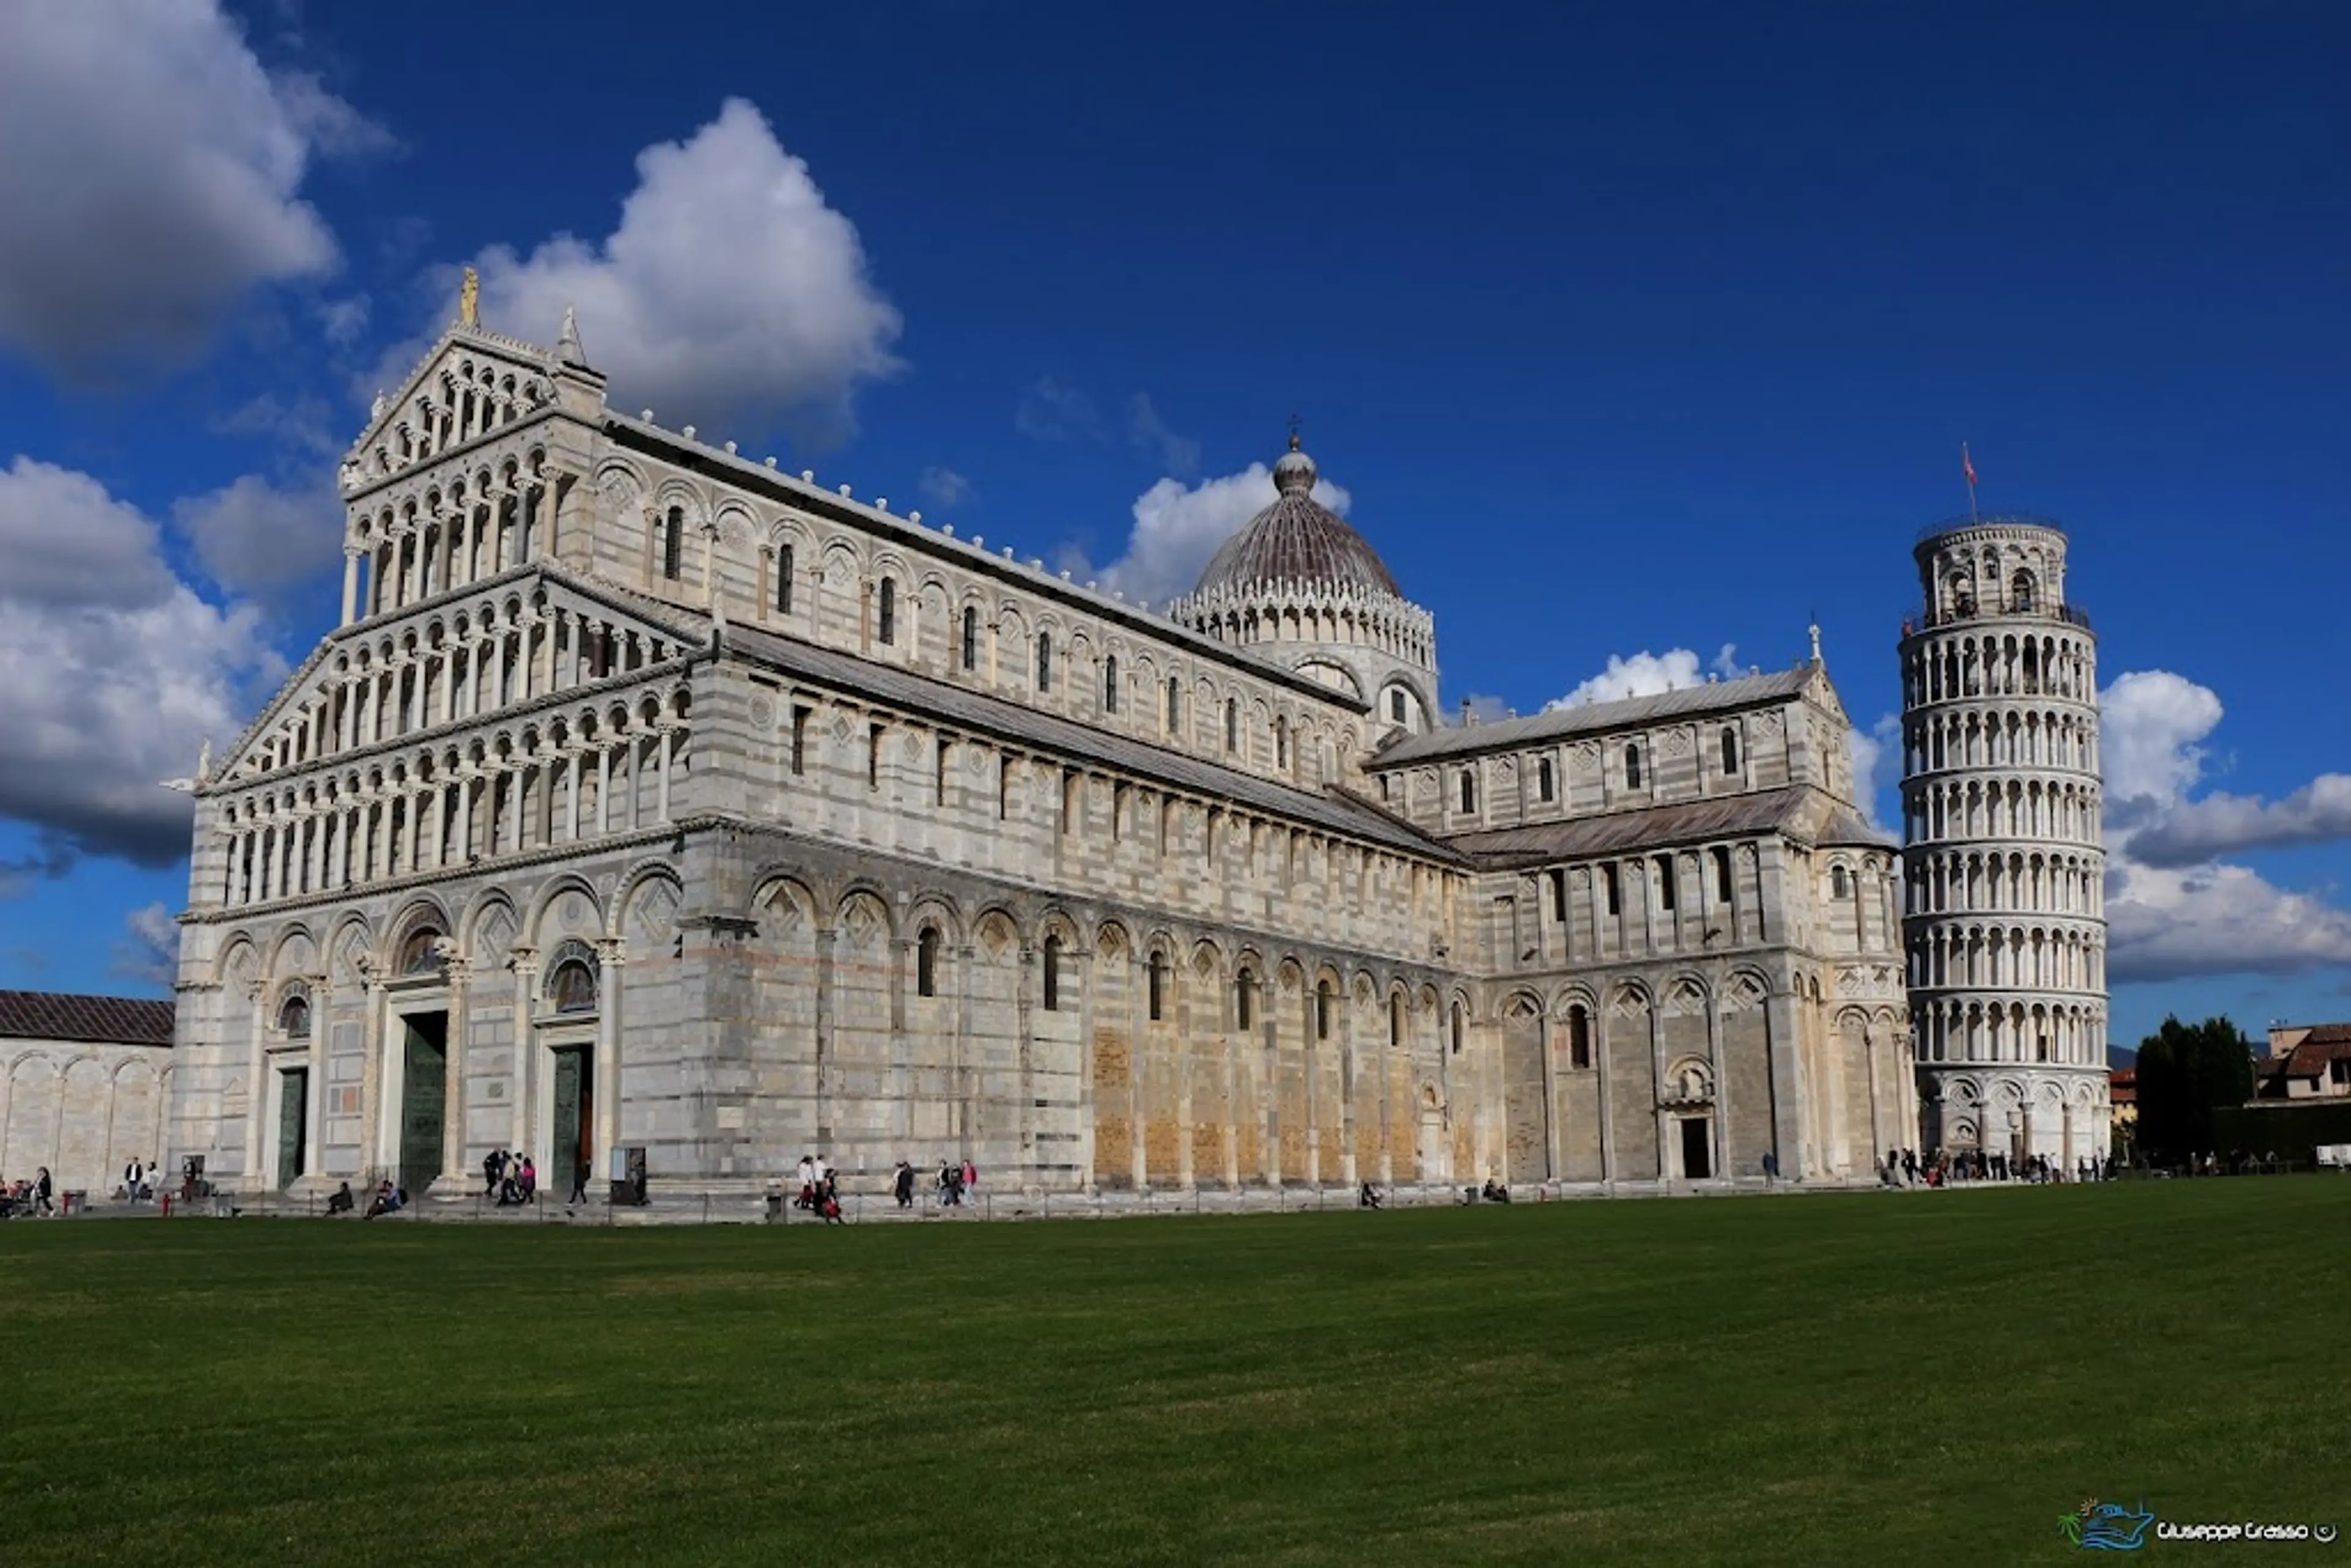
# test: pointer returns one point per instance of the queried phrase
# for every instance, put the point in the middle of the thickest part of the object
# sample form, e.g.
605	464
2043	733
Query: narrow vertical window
1003	788
1730	752
1613	889
674	543
1174	704
1559	896
1546	784
1281	743
1395	704
1840	882
873	755
1244	1000
783	580
1579	1036
1321	1010
1459	1028
1632	767
886	611
1070	800
1722	858
1052	974
1469	790
939	773
1110	684
926	962
1395	1022
1044	661
799	740
970	637
1665	864
1232	724
1156	982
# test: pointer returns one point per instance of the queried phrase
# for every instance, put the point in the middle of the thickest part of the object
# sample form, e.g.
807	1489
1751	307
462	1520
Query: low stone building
651	797
84	1082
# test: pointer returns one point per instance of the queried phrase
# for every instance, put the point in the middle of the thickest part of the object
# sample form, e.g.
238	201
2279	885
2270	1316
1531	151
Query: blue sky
1628	334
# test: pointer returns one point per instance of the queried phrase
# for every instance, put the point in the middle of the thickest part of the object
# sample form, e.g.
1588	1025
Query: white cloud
2196	830
1645	674
2149	726
1051	409
730	295
253	537
2169	917
152	179
1177	454
148	949
1877	763
1177	528
2165	923
119	670
946	487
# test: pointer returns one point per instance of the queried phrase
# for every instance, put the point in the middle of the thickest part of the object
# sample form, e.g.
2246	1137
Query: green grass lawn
1929	1377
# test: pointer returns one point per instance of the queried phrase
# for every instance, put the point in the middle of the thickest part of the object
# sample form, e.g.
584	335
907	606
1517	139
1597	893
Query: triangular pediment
428	625
464	358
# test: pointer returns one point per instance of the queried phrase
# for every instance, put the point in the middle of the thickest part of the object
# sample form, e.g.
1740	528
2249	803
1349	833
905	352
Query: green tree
2184	1071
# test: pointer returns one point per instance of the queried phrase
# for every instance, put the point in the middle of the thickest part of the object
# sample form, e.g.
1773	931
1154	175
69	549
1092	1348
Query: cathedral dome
1297	540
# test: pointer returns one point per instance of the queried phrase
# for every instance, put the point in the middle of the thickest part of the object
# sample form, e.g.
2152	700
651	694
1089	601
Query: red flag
1967	465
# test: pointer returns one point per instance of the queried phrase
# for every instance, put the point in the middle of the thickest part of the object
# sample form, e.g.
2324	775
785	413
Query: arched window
886	611
1395	1022
293	1017
572	987
1052	974
1281	743
1729	750
1321	1010
783	580
2020	591
1232	724
1244	1000
1460	1028
1840	882
970	637
1579	1036
1632	767
1044	661
1469	790
674	543
926	962
1155	977
417	954
1546	785
1110	684
1174	704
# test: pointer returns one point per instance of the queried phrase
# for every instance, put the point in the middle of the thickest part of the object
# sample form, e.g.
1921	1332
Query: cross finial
1815	630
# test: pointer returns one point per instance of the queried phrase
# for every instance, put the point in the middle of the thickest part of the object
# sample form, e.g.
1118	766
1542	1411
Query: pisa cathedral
650	798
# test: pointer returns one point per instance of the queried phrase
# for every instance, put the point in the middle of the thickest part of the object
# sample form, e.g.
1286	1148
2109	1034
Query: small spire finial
469	299
1815	630
1293	432
567	347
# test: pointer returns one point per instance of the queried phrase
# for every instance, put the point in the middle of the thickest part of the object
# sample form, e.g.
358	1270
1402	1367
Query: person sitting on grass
389	1199
340	1201
1369	1198
1495	1192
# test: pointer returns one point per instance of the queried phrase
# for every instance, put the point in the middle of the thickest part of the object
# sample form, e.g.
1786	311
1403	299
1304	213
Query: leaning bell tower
2003	856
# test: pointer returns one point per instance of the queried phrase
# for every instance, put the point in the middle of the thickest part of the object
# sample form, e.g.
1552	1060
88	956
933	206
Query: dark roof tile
105	1020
